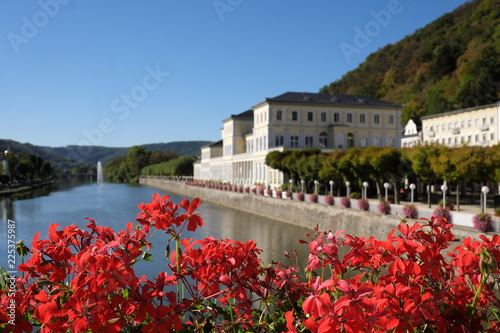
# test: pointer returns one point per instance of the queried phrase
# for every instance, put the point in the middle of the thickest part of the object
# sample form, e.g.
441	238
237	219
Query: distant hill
68	157
452	63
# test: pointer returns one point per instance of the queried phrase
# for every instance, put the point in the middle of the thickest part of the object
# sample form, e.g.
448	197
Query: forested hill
452	63
64	158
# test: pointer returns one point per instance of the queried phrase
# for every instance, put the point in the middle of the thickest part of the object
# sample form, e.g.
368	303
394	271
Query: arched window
350	140
323	140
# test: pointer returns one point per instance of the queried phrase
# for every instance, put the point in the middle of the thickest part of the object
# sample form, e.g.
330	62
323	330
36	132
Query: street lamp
365	185
316	183
485	190
412	188
291	184
386	186
331	186
302	184
444	188
348	185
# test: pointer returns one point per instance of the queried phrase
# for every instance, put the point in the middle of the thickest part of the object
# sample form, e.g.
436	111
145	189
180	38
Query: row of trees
181	166
127	169
430	163
24	167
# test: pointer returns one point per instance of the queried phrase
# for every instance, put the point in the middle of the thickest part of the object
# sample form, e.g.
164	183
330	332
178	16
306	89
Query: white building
412	135
296	121
477	126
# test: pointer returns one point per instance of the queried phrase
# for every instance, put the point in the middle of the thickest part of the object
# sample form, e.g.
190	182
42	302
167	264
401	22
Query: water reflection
114	205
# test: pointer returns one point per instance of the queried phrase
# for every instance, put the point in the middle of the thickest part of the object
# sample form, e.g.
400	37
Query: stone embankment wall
300	213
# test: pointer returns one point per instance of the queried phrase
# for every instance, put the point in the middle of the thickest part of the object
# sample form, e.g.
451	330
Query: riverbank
20	189
300	213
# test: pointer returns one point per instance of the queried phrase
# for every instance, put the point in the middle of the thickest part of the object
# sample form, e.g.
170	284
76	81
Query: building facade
296	121
478	126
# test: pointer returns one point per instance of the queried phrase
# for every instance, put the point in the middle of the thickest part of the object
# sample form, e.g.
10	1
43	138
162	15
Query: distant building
296	121
412	135
477	126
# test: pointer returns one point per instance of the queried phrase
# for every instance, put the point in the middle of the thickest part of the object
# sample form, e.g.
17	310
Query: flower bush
313	197
442	212
279	194
83	280
363	204
329	199
497	211
384	207
289	194
300	196
260	191
482	222
345	202
410	210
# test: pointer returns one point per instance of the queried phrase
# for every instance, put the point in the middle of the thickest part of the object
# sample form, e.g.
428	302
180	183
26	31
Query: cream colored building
477	126
296	121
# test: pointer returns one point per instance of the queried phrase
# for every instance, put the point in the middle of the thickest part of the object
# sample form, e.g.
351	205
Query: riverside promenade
308	215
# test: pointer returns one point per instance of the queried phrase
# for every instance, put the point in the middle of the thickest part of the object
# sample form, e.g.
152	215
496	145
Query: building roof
247	115
214	144
448	113
338	99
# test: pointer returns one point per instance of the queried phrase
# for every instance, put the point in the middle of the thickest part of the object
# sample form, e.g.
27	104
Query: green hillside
65	158
452	63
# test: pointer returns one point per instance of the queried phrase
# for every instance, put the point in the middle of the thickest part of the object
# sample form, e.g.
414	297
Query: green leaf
147	256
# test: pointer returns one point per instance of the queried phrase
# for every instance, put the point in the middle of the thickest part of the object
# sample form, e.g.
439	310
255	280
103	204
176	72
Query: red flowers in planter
80	280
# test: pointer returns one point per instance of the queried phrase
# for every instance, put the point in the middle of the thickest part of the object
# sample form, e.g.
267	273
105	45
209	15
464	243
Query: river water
114	205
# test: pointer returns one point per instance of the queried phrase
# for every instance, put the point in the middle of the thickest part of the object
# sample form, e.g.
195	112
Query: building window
477	138
279	141
449	141
469	139
443	126
376	119
492	136
492	120
350	140
294	141
449	126
362	118
323	139
462	124
323	117
336	117
391	119
484	138
278	115
349	117
309	116
469	123
309	141
295	116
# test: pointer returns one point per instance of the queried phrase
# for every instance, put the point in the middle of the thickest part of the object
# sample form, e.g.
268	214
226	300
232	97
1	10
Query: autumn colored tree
420	158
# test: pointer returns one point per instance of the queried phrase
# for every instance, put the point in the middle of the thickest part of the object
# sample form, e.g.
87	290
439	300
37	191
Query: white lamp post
444	188
485	190
291	184
302	184
316	183
365	185
412	188
386	186
331	186
348	185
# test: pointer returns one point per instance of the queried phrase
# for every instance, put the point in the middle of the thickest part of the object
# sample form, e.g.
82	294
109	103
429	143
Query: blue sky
119	73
